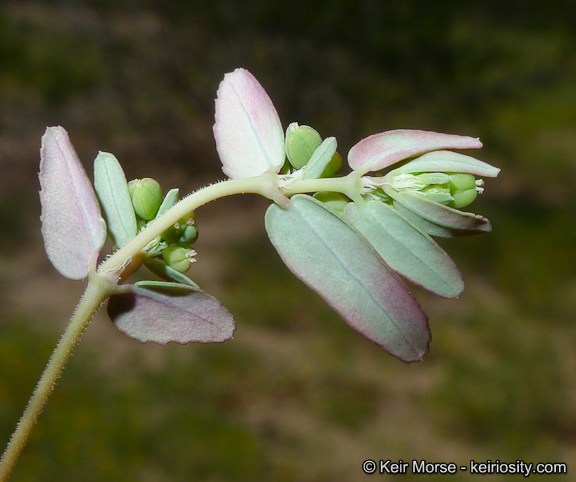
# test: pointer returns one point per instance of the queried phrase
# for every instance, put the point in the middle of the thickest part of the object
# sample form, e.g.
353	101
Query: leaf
335	261
168	273
248	132
72	226
112	189
440	214
428	227
381	150
162	312
320	159
448	161
407	250
170	199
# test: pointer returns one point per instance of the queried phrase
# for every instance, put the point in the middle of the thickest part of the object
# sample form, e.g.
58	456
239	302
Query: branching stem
265	185
103	283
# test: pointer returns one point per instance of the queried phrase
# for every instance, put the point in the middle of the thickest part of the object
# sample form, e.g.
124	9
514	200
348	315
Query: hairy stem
266	185
98	289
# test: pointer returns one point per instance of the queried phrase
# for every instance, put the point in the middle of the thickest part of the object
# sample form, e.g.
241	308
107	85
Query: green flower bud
463	198
178	258
301	142
146	197
461	182
333	200
183	232
463	188
452	189
333	166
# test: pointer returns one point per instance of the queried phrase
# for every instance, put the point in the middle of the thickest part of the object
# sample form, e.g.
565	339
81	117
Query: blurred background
297	395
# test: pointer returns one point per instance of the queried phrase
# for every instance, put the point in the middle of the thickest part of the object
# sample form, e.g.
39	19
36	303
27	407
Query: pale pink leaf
72	226
325	252
382	150
163	312
249	135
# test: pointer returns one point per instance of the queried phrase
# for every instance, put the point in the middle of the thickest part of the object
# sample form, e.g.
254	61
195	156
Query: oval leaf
336	262
249	135
407	250
448	161
112	189
72	226
162	312
384	149
440	214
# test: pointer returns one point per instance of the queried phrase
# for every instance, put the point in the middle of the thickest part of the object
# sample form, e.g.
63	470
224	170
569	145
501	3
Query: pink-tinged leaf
322	250
72	226
249	135
428	227
440	214
163	312
409	251
382	150
448	161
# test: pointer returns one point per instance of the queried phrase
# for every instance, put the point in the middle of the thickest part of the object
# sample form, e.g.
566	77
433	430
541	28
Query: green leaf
448	161
426	226
112	189
407	250
168	273
162	312
170	199
327	254
440	214
320	159
167	286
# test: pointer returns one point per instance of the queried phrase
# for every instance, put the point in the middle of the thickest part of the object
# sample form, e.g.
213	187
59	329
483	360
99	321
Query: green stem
98	289
266	185
349	185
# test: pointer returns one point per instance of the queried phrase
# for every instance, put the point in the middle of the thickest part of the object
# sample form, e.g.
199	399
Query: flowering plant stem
266	185
96	292
102	283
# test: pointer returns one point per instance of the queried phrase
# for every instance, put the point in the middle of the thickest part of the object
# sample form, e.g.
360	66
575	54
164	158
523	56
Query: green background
297	395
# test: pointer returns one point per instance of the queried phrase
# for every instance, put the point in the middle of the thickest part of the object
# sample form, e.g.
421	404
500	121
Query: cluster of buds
175	244
453	189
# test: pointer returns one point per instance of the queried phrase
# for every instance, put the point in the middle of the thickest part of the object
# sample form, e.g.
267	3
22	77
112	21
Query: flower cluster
392	214
129	207
175	244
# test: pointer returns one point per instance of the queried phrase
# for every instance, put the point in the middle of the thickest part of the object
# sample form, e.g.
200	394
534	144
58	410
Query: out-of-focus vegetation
296	395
